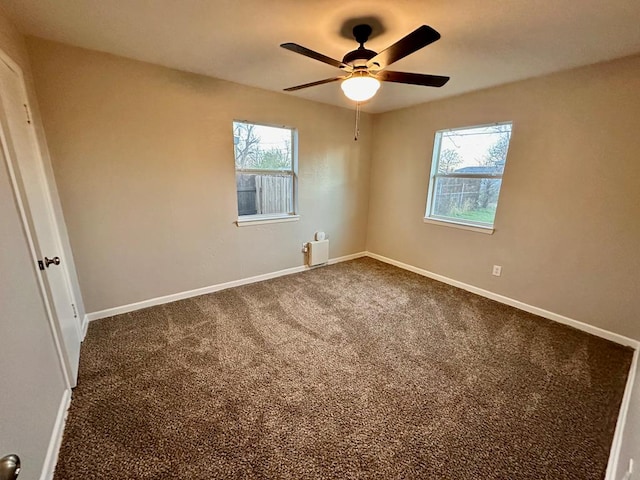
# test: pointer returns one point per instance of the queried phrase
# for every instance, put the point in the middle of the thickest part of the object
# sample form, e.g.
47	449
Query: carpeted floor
359	370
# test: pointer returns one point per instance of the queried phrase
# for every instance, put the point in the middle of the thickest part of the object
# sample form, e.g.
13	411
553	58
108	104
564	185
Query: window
466	175
265	158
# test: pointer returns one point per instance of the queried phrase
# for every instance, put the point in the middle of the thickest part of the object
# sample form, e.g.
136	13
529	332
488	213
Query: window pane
477	150
467	199
265	169
260	147
270	193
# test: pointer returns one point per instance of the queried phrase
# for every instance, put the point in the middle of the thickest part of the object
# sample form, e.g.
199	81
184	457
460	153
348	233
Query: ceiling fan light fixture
360	86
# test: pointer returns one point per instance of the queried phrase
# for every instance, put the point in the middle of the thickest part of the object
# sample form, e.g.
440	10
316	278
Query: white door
30	355
20	147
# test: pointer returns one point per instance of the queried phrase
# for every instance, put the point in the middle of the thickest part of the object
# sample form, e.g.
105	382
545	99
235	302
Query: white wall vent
318	252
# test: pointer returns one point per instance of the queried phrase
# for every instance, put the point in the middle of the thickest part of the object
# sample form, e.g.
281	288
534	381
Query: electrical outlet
305	248
497	270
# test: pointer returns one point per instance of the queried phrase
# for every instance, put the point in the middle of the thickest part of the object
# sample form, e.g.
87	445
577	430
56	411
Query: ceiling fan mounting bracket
361	33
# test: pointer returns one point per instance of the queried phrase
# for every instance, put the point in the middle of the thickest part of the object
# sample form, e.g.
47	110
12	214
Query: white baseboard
346	258
85	326
585	327
614	337
616	445
109	312
51	458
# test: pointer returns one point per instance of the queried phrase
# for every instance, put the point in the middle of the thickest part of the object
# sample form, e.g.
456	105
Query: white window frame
261	219
429	217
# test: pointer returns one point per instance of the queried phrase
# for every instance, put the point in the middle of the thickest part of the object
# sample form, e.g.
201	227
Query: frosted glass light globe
360	87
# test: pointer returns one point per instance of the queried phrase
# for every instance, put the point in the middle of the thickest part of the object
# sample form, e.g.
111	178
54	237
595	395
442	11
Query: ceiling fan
365	69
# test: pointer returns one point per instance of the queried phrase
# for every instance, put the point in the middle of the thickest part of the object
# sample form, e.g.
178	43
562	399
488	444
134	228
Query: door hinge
26	109
40	264
75	313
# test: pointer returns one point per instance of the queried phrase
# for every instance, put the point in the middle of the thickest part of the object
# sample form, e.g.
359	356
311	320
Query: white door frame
20	196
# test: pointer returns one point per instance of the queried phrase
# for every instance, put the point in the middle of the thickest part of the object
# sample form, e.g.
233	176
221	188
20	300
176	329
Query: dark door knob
47	262
9	467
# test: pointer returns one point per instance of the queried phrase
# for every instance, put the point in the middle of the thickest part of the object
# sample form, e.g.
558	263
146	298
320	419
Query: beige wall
143	158
567	230
29	362
12	42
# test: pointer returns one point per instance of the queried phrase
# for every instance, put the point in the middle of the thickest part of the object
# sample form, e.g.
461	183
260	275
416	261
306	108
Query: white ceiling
484	43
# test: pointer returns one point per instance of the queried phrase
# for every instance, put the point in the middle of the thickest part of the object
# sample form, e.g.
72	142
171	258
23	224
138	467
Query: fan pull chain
357	132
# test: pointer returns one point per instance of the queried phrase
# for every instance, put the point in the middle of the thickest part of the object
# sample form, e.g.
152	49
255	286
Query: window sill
265	219
462	226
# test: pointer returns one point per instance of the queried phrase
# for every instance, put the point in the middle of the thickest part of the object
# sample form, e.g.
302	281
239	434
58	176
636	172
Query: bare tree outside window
449	161
246	144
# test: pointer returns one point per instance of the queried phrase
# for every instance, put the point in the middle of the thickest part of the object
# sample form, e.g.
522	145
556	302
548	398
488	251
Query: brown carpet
359	370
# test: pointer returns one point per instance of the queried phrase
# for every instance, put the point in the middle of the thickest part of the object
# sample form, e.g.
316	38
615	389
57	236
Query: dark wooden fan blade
294	47
412	78
417	39
313	84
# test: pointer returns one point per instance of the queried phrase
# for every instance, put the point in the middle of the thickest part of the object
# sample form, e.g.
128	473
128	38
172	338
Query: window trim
259	219
267	218
460	225
464	224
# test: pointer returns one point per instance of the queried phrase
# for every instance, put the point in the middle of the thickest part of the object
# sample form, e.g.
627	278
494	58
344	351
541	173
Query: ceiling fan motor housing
359	57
